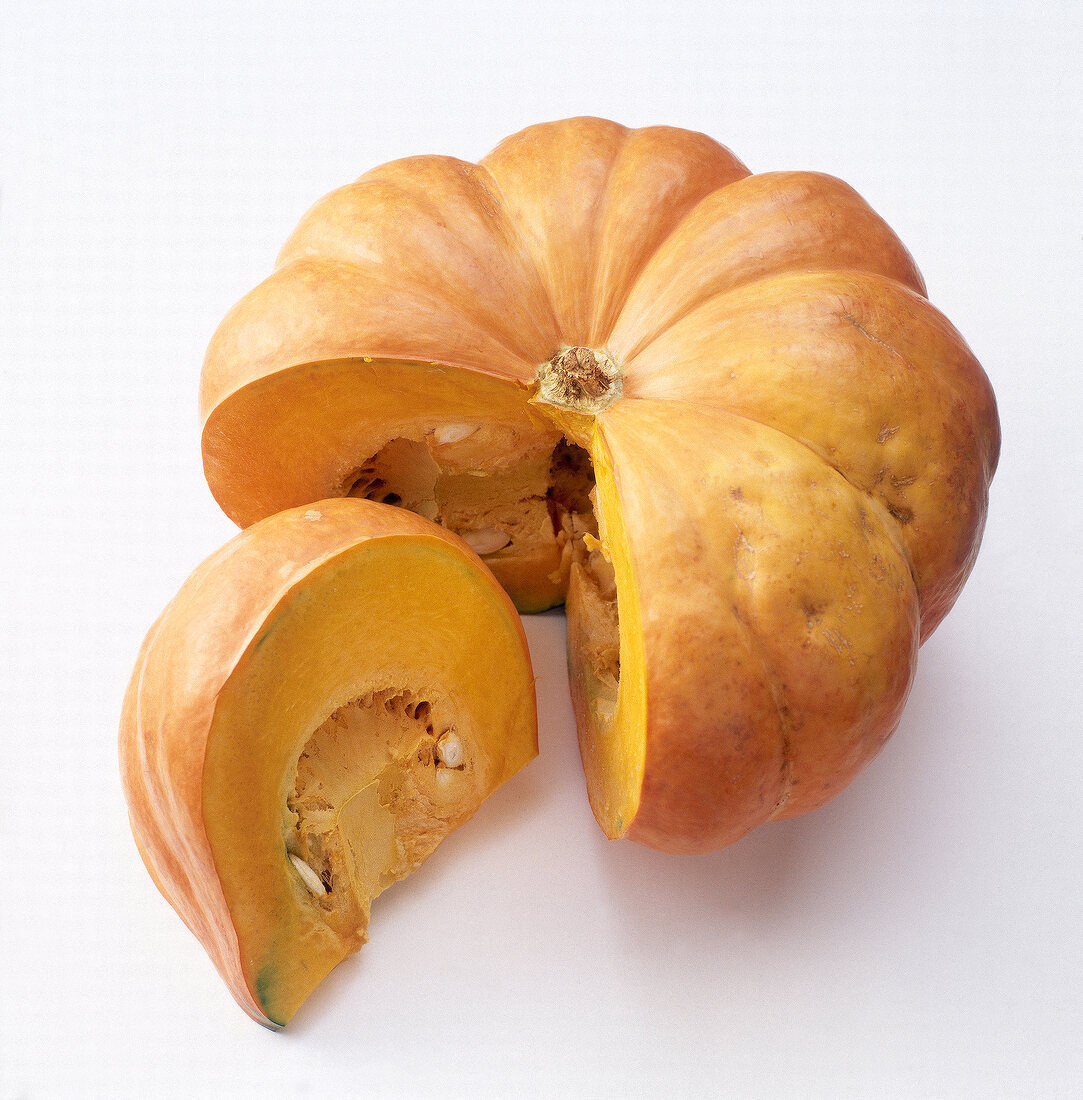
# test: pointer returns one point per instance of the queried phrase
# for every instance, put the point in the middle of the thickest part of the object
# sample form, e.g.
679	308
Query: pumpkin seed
452	433
449	749
308	876
486	540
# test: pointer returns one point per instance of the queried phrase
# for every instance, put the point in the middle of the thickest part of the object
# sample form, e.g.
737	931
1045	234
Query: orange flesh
607	661
299	722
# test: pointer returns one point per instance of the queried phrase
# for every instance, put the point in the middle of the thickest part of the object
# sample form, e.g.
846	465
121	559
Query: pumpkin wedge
324	700
712	411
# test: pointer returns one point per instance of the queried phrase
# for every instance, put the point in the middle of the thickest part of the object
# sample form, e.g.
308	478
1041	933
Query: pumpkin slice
712	410
325	699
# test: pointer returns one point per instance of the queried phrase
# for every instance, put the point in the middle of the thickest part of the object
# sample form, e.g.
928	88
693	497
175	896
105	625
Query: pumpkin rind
779	308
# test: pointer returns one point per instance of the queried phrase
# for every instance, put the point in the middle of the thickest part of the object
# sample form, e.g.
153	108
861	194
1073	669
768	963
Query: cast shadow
800	879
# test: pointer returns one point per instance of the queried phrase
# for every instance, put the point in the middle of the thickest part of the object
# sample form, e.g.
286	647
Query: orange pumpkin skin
210	735
771	330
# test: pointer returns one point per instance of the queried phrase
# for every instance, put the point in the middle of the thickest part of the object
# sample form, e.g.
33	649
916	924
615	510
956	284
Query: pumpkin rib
553	195
785	725
742	231
185	849
948	381
705	166
775	678
961	392
168	853
801	443
590	329
522	248
433	221
593	255
311	311
491	187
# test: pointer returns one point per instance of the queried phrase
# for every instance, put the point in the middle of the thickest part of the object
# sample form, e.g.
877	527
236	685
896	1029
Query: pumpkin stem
585	380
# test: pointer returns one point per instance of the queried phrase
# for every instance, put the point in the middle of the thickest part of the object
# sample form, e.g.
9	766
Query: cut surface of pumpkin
713	412
323	702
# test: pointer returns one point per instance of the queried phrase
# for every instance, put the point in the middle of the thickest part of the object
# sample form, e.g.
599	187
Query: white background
922	936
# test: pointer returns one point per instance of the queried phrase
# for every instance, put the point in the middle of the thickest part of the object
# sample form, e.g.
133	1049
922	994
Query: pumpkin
713	412
306	721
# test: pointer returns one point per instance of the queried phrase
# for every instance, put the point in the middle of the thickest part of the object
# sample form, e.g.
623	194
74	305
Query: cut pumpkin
713	411
325	699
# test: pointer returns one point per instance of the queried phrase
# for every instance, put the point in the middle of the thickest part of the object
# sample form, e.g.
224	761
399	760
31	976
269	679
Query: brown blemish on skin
868	335
744	557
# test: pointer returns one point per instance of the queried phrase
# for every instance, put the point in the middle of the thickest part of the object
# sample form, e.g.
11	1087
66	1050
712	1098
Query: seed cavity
486	540
308	876
453	433
449	749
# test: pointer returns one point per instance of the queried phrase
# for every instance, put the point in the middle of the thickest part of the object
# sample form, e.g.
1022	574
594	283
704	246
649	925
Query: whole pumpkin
713	411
